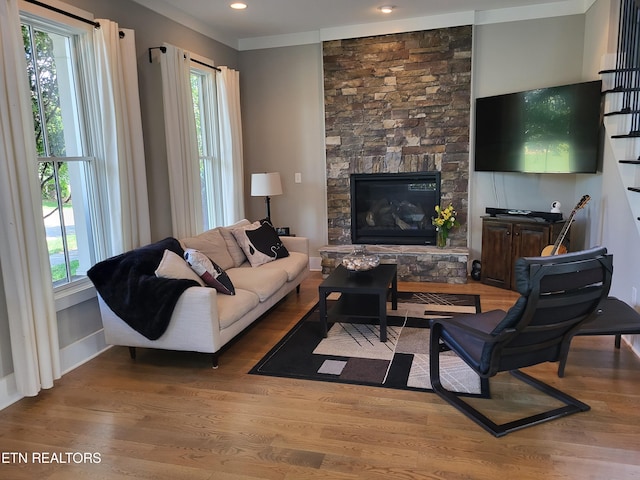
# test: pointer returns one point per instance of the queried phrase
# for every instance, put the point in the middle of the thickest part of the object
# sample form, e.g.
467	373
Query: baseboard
8	391
315	264
634	343
81	351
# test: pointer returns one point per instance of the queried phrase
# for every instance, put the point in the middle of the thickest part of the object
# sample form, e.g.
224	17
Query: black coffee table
363	295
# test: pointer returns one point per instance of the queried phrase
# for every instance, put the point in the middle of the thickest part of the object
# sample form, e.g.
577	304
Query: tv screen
548	130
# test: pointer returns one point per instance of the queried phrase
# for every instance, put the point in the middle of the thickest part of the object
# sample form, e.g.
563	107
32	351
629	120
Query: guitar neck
563	233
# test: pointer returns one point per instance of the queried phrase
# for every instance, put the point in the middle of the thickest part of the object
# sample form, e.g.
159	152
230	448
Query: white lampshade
265	184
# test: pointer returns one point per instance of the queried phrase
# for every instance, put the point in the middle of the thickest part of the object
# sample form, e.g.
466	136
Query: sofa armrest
296	244
194	325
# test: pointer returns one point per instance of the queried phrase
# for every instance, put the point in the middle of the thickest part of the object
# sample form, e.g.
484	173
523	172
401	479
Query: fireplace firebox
394	208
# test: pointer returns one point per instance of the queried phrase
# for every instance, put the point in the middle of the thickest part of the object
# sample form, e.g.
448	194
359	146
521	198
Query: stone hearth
416	263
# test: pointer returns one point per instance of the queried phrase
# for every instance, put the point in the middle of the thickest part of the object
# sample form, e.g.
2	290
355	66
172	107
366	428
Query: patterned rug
353	353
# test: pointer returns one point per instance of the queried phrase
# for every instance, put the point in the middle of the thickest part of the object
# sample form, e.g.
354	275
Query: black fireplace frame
425	234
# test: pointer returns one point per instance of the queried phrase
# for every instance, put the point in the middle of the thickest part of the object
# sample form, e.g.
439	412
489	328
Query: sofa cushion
232	245
209	271
173	265
213	245
294	264
231	309
264	282
260	243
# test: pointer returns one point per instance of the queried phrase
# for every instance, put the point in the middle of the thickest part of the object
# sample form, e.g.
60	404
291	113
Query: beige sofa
204	320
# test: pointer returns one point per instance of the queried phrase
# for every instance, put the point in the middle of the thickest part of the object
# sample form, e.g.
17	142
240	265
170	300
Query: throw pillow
212	244
209	271
173	266
232	245
260	243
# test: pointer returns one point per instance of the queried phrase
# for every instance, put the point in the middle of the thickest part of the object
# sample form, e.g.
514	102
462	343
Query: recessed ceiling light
386	8
238	6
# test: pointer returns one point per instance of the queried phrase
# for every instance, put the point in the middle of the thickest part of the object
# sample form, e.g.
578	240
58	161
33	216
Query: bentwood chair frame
558	294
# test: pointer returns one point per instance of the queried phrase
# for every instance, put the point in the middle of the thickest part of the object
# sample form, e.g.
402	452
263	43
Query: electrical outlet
634	296
297	177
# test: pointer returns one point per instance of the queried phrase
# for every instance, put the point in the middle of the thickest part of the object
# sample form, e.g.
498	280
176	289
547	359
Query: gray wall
283	122
151	30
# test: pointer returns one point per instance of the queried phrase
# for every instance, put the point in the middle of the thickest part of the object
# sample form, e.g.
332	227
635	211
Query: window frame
80	289
210	161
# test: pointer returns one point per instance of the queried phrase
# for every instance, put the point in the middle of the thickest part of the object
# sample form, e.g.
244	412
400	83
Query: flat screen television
547	130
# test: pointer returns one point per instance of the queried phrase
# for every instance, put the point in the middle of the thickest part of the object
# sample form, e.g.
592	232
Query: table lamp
266	185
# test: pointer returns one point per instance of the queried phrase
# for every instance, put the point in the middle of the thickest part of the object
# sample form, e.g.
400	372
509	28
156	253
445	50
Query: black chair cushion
471	347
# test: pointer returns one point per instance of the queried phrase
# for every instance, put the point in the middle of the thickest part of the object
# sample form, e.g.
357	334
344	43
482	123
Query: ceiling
286	22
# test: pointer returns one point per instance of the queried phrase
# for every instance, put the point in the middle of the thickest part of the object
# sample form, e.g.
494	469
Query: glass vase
441	236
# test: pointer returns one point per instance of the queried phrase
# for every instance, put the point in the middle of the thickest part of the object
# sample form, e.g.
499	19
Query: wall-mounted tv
547	130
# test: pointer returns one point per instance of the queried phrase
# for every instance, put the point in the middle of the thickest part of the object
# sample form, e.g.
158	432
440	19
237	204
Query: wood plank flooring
167	415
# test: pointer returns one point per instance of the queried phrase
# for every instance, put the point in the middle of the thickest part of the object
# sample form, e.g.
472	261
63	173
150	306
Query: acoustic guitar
558	248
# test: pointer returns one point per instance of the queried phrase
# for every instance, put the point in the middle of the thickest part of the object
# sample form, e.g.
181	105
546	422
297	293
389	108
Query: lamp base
267	200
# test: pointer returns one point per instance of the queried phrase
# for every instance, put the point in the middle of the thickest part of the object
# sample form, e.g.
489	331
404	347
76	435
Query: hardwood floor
167	415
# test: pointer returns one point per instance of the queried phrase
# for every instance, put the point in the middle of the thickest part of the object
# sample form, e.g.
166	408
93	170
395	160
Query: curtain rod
68	14
164	50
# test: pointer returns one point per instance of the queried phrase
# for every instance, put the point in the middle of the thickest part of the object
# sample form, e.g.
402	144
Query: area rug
352	352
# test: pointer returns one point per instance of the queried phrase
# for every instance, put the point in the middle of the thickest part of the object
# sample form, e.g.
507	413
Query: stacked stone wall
398	103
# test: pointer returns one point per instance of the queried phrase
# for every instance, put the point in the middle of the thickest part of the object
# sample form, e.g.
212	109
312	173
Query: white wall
615	224
512	57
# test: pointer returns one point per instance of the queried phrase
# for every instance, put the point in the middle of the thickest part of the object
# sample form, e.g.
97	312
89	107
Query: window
203	91
64	167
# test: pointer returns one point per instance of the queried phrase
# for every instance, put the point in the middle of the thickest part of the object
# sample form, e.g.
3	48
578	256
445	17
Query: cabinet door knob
508	233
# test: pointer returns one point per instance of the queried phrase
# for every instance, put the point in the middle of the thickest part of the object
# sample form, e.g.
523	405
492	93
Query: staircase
621	87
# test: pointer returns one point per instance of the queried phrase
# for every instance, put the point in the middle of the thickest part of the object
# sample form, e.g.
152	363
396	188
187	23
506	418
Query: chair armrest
466	323
296	244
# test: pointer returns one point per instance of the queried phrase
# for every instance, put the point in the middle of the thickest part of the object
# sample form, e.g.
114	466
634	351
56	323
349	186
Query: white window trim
214	192
81	290
73	293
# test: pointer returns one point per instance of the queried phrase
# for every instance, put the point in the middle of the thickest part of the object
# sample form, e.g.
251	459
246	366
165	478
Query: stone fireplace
399	104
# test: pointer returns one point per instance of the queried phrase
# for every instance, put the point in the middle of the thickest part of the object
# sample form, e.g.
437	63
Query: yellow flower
445	219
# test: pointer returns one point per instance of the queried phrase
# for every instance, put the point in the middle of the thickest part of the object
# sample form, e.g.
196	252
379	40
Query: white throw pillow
260	243
212	274
173	266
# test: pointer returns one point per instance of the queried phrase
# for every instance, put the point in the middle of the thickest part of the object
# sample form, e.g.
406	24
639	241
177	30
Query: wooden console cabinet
504	240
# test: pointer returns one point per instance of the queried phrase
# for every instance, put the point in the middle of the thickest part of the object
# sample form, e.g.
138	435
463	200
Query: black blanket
128	285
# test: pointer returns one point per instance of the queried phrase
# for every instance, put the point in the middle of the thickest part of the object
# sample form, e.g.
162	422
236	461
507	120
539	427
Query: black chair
557	295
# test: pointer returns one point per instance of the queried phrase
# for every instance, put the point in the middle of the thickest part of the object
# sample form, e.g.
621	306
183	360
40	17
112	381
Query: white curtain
182	148
121	184
23	256
230	121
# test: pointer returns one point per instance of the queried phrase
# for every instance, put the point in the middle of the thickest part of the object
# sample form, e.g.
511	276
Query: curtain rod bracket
162	49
